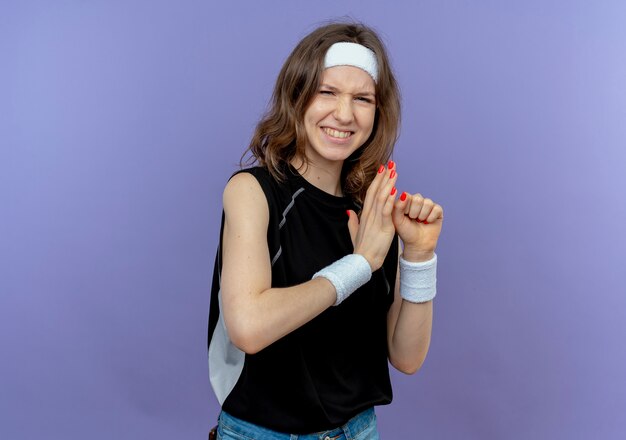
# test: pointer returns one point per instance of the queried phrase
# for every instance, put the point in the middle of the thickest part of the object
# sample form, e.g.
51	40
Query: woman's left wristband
418	280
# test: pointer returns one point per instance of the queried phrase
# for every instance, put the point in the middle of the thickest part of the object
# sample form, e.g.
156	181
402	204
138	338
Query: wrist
417	256
366	259
418	280
346	275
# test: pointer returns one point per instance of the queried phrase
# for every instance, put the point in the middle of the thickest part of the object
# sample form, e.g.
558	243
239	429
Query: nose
343	110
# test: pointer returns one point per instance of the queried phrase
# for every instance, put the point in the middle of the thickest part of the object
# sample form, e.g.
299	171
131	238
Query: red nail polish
403	196
390	164
392	174
381	169
348	212
393	190
425	222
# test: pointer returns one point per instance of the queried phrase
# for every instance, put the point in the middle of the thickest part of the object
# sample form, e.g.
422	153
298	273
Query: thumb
353	224
399	206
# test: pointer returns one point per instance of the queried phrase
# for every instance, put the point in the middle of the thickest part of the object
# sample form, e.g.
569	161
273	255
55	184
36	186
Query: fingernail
393	190
392	174
425	222
390	164
403	196
381	169
348	212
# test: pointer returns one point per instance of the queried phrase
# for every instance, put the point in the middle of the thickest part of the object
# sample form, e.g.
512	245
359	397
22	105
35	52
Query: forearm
410	320
261	319
255	314
410	340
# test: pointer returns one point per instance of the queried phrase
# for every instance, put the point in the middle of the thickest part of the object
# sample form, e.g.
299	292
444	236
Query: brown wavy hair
280	136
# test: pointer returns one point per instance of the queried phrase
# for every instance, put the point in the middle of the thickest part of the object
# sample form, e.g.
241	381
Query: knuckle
383	196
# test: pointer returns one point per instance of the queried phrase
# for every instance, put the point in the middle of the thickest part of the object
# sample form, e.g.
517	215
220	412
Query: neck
327	178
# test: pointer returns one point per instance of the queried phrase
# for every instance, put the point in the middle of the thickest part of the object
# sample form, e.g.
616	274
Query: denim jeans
360	427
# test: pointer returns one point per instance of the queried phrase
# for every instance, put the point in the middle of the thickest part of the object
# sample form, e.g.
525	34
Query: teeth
337	133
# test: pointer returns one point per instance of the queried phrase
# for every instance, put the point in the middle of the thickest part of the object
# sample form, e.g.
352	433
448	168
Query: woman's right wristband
346	275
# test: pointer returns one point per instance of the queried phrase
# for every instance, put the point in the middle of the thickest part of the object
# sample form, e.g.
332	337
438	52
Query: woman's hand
373	233
418	221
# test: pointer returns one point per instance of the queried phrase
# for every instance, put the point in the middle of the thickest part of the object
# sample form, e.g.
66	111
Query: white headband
352	54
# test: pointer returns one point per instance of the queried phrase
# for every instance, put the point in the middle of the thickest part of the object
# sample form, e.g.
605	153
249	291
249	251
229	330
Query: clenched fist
418	221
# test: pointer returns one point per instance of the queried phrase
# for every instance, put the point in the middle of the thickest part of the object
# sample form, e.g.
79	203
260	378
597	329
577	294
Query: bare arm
418	221
409	328
255	314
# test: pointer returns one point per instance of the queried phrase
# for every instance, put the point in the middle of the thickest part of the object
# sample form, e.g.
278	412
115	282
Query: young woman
311	297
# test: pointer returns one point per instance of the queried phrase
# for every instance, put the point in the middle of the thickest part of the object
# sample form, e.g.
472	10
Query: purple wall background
121	121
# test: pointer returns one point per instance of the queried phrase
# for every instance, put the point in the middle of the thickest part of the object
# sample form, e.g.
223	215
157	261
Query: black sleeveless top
335	366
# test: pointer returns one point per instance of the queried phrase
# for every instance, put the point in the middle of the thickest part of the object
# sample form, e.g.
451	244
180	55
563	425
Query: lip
334	139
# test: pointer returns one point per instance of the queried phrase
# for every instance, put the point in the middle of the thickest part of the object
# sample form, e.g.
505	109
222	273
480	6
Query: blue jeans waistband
229	424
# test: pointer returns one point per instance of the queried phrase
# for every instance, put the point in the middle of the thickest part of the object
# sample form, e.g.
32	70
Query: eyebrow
361	93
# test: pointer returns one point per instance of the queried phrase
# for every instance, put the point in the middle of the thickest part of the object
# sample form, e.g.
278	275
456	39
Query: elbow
240	329
246	345
244	338
407	366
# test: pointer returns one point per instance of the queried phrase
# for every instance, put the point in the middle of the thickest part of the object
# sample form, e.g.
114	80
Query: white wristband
418	281
347	274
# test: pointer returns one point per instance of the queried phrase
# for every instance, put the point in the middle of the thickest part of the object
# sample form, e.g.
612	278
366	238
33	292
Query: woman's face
341	116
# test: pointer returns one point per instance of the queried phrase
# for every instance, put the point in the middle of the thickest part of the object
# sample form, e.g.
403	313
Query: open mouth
337	134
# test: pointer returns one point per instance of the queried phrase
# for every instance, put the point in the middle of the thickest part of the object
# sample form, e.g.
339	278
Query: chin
335	157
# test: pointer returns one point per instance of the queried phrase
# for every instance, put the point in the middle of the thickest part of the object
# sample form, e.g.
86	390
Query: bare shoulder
246	264
244	200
